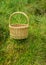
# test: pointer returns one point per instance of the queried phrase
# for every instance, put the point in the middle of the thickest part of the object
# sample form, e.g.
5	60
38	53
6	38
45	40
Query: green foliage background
31	51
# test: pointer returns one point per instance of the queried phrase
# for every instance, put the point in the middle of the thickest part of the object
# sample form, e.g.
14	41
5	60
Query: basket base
18	38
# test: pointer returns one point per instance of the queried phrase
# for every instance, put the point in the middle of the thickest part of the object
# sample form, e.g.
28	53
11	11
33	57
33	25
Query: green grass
31	51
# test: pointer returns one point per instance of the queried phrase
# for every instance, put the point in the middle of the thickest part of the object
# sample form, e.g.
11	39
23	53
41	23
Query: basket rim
20	26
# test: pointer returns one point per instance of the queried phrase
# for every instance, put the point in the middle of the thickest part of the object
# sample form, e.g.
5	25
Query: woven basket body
19	31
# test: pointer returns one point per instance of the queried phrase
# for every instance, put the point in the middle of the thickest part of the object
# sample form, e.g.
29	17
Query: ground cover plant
31	51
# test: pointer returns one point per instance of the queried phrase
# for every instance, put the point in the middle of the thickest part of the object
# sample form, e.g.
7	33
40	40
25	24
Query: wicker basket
19	31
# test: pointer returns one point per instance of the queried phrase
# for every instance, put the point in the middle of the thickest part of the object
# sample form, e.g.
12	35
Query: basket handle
18	13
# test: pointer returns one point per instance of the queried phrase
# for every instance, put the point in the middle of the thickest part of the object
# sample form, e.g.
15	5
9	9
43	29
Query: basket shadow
29	40
21	41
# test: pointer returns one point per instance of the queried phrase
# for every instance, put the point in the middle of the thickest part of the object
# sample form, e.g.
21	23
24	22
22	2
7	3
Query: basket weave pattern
19	31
